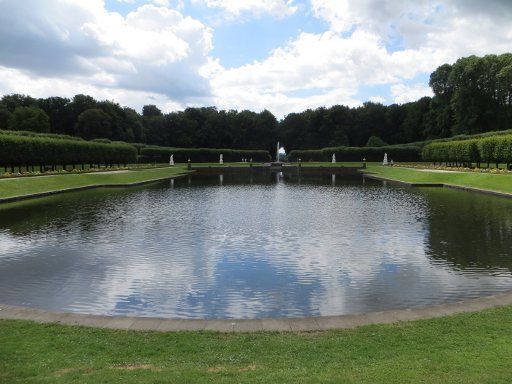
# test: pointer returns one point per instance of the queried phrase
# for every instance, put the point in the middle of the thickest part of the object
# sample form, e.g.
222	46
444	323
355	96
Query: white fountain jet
333	158
385	161
221	159
171	160
277	153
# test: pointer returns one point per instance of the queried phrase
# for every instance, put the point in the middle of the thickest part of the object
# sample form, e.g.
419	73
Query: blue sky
280	55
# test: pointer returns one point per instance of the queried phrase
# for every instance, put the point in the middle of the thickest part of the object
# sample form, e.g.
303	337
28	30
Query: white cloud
160	54
377	99
332	75
235	8
369	43
153	49
403	93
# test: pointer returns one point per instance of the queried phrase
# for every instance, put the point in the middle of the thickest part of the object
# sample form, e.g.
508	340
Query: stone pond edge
253	325
321	323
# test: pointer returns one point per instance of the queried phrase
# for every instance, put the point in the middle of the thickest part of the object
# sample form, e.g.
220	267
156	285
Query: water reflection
217	247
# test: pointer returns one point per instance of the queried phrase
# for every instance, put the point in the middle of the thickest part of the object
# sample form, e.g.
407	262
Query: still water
241	248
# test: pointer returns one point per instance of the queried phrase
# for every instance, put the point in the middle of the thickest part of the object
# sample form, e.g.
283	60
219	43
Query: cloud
402	93
377	99
159	53
153	49
368	43
332	75
255	8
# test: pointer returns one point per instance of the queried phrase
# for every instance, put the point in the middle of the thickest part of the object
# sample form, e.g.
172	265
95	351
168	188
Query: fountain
221	159
385	161
333	158
277	153
171	160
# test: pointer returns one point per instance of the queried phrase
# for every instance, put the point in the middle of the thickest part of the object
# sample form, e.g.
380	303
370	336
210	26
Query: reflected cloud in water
274	248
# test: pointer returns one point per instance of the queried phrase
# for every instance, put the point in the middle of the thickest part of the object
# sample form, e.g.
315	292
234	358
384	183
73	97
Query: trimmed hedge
395	153
200	155
26	150
38	134
496	150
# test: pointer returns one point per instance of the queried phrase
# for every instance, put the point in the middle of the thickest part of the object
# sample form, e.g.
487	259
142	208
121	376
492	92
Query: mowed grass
21	186
467	348
493	182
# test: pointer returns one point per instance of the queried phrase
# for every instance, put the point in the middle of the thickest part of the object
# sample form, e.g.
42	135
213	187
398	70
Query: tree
375	141
150	111
5	115
29	119
94	123
57	109
16	100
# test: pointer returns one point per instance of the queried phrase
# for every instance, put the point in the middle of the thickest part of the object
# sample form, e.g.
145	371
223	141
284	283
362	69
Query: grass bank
491	182
22	186
467	348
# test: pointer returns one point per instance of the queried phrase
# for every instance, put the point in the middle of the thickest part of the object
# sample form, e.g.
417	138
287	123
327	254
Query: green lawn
29	185
493	182
467	348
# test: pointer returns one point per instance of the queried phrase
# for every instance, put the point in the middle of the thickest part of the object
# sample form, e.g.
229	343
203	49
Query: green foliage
494	149
29	119
474	95
37	134
26	150
201	155
375	141
5	116
94	123
395	153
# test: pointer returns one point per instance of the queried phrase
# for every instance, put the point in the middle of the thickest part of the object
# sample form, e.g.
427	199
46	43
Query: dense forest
471	96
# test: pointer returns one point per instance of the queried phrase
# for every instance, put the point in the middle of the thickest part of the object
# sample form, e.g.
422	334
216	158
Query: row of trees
17	150
496	150
471	96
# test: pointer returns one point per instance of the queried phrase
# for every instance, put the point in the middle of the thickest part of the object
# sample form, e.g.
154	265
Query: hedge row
25	150
395	153
496	150
200	155
38	134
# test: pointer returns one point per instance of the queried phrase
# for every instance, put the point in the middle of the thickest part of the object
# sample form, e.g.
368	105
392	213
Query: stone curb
322	323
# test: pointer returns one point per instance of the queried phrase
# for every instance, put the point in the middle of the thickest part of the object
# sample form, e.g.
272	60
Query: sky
281	55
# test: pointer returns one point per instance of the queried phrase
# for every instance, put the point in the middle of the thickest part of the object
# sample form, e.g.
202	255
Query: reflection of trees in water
81	211
470	230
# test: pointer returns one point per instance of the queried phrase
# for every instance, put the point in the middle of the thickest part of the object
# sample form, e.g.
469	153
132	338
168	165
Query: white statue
333	158
385	162
221	159
171	160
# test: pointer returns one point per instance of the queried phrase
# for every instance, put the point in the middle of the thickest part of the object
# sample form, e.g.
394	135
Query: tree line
473	95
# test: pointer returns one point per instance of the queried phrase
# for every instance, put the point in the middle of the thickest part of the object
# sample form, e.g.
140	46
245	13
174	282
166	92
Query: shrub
395	152
375	141
18	150
201	155
495	149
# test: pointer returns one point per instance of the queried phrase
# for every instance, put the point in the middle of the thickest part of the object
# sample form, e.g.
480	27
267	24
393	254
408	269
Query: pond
206	247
